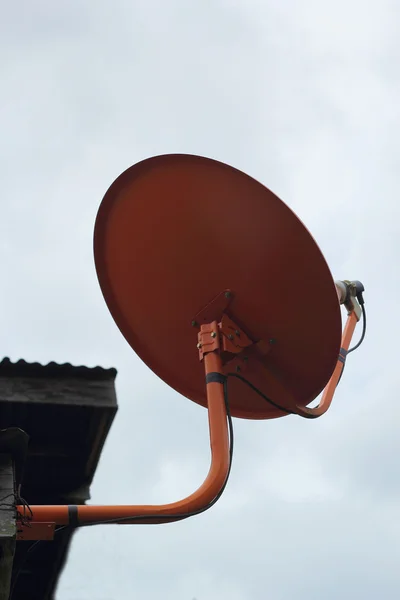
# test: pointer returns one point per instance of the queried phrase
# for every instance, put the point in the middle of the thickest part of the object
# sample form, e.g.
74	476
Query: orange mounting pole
327	396
196	502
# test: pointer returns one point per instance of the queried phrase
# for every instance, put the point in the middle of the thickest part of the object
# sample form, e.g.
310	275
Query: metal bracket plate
36	531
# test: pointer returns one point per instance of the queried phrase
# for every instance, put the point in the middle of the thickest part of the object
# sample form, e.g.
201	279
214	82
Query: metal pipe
330	388
199	500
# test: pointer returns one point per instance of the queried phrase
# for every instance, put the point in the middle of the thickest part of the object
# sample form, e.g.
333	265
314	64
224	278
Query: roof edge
22	368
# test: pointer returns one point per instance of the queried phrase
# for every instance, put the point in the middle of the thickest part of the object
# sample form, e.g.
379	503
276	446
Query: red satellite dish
191	252
183	240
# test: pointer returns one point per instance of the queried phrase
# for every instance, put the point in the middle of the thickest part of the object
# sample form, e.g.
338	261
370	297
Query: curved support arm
199	500
327	396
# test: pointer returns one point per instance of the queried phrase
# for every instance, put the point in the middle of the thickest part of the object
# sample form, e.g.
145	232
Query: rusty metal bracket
214	310
234	339
225	337
208	339
36	531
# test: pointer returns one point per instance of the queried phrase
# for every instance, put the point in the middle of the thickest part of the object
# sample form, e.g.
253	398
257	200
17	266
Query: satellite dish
210	277
184	240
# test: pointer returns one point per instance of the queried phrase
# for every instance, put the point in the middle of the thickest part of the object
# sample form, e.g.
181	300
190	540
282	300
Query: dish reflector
182	240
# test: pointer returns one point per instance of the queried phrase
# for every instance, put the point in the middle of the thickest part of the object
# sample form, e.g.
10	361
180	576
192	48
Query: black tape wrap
215	378
342	355
73	515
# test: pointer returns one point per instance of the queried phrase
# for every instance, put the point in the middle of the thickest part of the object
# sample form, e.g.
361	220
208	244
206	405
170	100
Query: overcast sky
303	96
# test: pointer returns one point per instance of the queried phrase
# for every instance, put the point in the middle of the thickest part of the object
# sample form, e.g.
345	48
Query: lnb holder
350	294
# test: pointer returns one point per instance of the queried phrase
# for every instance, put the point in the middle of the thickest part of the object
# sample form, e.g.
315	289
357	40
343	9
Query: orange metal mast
196	502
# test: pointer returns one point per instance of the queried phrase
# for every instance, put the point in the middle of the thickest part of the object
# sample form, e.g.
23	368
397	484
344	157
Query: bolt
195	324
272	341
213	334
228	294
237	332
230	336
199	345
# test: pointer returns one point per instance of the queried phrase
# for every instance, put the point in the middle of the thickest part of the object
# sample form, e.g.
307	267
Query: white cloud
304	97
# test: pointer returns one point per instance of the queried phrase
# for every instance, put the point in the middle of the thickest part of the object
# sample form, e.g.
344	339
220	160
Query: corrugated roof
21	368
